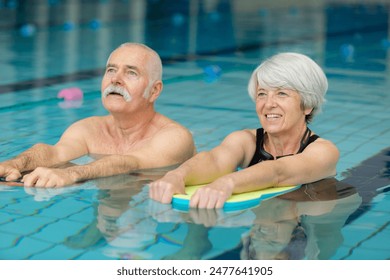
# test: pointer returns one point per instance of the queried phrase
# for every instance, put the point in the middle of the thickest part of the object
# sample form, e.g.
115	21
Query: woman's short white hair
292	71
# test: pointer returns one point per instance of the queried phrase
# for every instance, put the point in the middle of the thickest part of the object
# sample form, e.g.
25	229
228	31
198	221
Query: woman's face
279	110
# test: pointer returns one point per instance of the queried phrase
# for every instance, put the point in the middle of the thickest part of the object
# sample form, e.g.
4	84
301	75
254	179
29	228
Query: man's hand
9	172
48	178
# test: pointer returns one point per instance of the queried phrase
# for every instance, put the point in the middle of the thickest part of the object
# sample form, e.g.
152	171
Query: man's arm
170	146
70	146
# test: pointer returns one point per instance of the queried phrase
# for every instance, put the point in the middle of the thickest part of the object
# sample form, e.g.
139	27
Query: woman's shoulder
323	144
244	133
241	137
323	140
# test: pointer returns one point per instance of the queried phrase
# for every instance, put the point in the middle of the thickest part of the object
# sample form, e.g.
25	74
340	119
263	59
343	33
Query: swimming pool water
209	49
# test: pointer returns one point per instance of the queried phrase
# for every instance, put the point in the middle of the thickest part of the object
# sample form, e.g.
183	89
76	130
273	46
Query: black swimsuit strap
262	155
304	140
259	155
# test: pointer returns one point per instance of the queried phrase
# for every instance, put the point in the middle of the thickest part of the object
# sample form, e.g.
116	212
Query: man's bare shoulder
167	124
171	130
86	127
91	122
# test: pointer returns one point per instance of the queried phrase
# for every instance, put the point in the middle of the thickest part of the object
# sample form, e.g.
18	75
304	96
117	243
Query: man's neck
126	125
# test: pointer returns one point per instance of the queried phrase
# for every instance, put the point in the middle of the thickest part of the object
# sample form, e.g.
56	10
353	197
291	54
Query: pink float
71	94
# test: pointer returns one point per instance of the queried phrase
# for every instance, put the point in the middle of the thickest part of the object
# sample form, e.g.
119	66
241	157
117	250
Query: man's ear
155	91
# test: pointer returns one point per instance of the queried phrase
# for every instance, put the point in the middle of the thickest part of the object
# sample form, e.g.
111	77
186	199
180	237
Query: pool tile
19	252
26	225
50	233
57	252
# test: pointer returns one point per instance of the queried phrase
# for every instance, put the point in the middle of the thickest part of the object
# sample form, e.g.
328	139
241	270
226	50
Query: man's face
125	79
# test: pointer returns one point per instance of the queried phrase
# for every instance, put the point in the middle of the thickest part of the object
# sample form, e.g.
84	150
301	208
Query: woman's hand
163	189
213	195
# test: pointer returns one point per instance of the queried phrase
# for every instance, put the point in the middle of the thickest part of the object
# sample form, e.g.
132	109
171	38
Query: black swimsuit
262	155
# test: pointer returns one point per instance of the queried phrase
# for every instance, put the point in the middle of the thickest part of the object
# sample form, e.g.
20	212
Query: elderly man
133	136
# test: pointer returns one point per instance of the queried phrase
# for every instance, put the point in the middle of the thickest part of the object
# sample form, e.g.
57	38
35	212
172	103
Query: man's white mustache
117	89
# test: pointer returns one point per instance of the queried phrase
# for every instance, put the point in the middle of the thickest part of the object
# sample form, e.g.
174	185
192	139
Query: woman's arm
318	161
206	167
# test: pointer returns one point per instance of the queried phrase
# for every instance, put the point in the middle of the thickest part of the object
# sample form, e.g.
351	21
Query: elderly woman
288	90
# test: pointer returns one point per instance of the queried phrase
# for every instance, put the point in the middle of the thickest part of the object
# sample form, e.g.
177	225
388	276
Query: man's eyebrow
132	67
111	65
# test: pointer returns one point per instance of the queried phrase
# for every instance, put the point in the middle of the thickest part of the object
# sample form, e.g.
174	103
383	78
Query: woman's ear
308	111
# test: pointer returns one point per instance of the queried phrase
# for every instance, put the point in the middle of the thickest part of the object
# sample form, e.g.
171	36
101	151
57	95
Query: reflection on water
303	224
113	218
